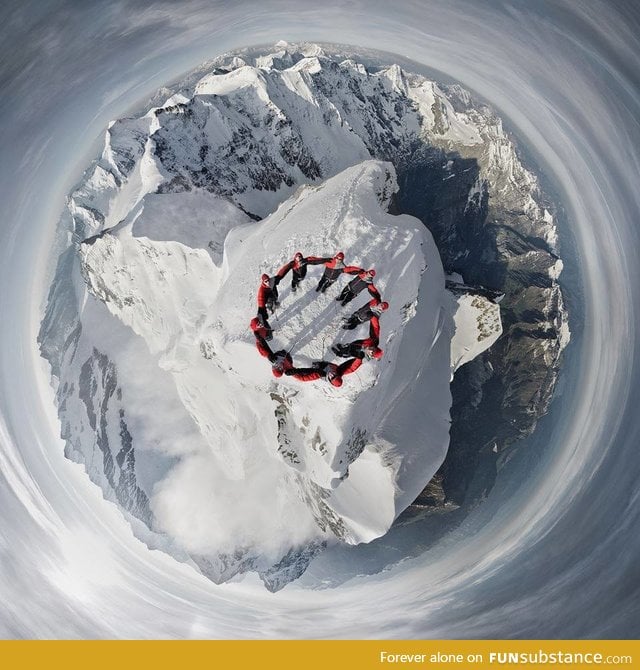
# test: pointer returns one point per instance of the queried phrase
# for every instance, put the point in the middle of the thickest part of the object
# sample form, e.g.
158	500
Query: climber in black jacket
365	348
373	308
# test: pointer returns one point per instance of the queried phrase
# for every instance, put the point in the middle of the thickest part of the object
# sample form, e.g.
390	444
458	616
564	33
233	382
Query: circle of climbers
355	352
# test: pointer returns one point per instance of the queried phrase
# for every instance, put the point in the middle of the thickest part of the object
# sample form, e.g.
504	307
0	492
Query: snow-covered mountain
161	393
310	456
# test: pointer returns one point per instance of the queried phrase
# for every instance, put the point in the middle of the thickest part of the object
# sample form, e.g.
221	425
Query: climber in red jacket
261	328
298	266
374	308
333	268
332	372
360	348
364	279
267	295
281	361
263	348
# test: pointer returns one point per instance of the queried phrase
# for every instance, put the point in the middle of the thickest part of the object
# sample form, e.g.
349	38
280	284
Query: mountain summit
161	391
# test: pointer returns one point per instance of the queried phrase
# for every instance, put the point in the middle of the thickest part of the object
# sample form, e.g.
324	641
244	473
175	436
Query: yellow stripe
327	655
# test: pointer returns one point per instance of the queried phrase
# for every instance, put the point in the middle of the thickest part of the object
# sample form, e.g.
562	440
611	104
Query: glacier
161	394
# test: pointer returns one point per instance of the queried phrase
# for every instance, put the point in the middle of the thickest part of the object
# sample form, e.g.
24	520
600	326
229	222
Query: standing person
267	295
373	308
298	266
332	372
362	348
333	269
364	279
261	328
281	361
263	348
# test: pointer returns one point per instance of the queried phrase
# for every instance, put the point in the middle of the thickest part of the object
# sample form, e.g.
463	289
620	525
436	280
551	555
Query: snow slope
477	326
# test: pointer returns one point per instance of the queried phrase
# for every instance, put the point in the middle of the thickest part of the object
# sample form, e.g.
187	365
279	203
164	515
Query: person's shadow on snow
320	322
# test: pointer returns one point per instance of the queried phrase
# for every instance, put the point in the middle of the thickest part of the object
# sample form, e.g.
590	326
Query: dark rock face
258	164
498	397
99	391
292	566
